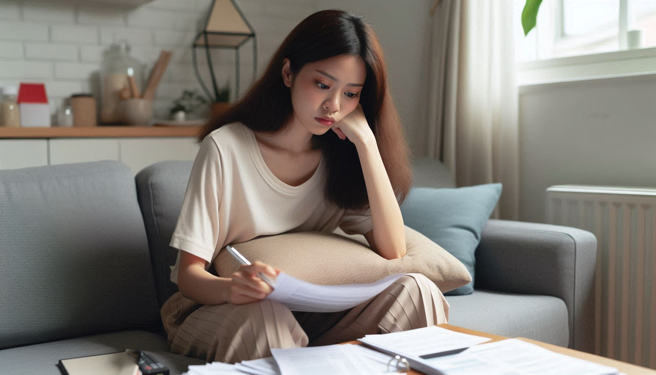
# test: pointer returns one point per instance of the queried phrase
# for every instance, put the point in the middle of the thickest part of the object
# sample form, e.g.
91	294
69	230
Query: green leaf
530	15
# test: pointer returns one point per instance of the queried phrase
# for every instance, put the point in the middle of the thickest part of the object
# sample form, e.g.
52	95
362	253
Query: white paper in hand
300	295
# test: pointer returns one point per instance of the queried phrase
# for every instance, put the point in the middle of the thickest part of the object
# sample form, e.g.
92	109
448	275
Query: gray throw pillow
453	219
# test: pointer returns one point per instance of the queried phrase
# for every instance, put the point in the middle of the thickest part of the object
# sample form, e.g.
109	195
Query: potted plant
188	102
222	100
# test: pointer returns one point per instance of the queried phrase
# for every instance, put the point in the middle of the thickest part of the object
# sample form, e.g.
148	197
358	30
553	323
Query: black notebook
118	363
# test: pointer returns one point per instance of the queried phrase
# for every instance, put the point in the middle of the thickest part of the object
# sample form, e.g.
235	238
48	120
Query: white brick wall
54	51
9	11
100	15
30	70
23	31
61	43
50	12
73	34
11	50
74	71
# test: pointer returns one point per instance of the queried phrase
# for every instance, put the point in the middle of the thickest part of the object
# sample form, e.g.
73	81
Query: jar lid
82	95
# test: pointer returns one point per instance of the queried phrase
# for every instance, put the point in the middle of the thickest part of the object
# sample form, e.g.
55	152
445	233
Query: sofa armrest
531	258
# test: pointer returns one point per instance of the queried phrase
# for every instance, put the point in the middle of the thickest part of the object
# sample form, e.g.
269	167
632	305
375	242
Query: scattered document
214	368
370	354
421	347
426	349
263	366
327	360
506	357
300	295
514	356
332	359
422	341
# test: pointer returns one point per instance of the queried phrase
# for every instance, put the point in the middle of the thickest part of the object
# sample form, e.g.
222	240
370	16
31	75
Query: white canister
634	39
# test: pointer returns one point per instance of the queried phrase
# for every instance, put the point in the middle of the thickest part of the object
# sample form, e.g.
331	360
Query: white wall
61	42
598	132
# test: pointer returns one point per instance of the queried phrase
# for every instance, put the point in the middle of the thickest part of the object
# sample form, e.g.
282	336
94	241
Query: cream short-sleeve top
232	196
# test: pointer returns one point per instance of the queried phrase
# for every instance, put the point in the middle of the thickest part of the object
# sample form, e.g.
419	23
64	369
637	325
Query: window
586	39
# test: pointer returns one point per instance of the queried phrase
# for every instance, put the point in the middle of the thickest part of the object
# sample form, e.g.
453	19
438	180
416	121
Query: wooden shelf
100	132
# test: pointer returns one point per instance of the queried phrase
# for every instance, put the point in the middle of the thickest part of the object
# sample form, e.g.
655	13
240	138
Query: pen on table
242	259
444	353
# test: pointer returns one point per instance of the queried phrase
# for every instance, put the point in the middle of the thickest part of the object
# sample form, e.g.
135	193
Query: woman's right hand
247	287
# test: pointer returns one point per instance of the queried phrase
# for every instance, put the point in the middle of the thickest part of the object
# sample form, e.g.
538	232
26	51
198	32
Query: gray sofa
84	265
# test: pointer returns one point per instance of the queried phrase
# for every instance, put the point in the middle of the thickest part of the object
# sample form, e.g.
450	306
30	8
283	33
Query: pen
242	259
442	354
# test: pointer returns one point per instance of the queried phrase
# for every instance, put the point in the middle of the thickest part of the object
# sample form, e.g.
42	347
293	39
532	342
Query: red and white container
33	103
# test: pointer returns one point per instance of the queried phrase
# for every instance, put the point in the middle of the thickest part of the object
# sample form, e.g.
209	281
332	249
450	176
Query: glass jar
9	112
114	77
65	117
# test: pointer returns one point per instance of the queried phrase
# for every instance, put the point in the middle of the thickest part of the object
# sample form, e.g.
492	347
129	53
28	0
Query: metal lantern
225	28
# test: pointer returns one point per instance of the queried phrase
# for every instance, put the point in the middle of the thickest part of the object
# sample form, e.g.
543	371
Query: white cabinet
64	151
139	153
23	153
136	153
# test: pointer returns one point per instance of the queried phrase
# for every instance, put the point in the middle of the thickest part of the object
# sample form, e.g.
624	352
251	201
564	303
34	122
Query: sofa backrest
161	188
73	254
429	172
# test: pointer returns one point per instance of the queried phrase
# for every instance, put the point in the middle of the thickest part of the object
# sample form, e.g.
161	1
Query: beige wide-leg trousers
233	333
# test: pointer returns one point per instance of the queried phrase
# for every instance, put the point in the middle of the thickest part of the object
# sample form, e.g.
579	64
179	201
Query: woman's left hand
354	127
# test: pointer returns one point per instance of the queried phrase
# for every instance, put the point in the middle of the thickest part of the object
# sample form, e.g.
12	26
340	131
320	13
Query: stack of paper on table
422	341
328	360
419	347
514	357
343	359
506	357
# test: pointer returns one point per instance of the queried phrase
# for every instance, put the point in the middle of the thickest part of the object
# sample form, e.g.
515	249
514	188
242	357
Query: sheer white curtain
469	111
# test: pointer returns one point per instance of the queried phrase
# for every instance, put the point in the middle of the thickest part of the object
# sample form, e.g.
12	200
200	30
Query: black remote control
149	366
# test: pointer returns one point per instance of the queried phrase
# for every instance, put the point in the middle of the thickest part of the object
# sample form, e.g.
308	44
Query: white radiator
624	222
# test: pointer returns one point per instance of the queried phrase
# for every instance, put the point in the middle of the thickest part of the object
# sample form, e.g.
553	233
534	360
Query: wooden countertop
100	132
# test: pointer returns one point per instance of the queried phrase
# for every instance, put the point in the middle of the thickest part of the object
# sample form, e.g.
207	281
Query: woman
316	143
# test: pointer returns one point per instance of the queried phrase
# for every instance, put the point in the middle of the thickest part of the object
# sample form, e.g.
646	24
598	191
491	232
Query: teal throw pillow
453	219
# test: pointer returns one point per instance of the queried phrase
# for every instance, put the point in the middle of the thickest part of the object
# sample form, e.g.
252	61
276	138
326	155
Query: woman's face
328	88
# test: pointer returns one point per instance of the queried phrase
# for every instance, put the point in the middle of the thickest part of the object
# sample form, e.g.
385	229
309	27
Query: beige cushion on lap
338	258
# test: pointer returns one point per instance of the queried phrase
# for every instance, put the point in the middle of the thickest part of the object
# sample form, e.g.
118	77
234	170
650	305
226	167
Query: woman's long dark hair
267	106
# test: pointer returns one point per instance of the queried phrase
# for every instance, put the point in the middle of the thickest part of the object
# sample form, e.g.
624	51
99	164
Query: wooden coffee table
624	367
